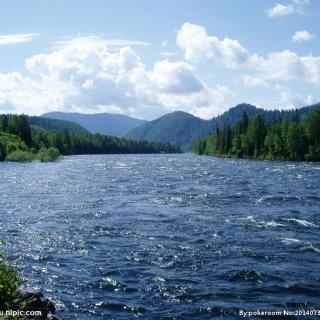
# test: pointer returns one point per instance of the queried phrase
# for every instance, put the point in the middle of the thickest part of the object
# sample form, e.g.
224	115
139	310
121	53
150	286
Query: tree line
20	142
294	139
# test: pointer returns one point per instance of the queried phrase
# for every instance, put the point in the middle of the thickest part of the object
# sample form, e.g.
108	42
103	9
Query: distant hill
177	127
103	123
183	129
55	125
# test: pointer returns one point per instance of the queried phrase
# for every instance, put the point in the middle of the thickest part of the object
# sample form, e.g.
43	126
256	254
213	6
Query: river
164	236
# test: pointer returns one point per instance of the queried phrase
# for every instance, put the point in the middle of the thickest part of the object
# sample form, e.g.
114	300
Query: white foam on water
303	223
271	224
290	240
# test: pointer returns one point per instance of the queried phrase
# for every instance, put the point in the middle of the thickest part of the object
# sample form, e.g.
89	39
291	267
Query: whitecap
271	224
303	223
290	240
250	218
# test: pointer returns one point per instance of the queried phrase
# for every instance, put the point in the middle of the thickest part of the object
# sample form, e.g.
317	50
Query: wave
303	223
244	275
287	198
290	240
271	224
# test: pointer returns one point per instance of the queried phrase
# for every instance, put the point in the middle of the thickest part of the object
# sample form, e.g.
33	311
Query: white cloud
175	77
83	75
219	99
284	65
285	9
281	10
291	99
16	38
301	36
197	46
86	75
118	43
287	65
167	54
253	82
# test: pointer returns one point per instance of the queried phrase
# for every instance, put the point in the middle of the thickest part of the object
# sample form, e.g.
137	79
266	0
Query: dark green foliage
79	143
48	155
279	140
12	142
3	152
19	143
184	129
54	124
178	127
20	156
9	284
18	125
4	123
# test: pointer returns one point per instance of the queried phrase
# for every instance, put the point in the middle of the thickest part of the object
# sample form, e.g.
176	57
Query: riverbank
22	304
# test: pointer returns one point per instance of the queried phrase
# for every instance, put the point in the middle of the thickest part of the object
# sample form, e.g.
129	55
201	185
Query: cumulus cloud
84	75
16	38
167	54
197	45
291	99
254	82
281	10
285	65
285	9
301	36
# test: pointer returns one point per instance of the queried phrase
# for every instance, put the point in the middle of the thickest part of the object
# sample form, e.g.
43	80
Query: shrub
50	154
20	156
9	283
2	152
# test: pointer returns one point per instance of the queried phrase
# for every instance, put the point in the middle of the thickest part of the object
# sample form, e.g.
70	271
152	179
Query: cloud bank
93	74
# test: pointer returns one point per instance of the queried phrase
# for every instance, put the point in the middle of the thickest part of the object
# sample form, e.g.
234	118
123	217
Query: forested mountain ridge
178	127
104	123
184	129
293	137
55	124
21	142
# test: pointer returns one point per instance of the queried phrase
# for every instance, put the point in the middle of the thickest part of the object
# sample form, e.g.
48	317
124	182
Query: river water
164	236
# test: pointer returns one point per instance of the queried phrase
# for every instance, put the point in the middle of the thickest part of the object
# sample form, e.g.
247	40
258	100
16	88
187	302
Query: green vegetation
54	124
18	142
9	284
279	140
20	156
10	298
48	154
184	129
177	127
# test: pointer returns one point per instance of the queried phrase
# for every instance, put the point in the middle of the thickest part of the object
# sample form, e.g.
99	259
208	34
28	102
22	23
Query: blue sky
148	58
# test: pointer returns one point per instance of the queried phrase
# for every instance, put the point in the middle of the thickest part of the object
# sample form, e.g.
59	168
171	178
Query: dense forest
20	142
280	139
184	129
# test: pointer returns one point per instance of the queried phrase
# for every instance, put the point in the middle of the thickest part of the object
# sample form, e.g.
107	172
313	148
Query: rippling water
164	236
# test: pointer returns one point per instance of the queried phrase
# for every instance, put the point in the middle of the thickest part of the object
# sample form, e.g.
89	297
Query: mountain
103	123
54	124
178	127
183	129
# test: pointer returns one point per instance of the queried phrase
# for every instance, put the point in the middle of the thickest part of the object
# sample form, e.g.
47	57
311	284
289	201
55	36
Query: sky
148	58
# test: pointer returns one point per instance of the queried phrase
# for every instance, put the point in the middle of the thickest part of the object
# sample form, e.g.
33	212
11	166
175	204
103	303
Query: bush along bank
21	304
